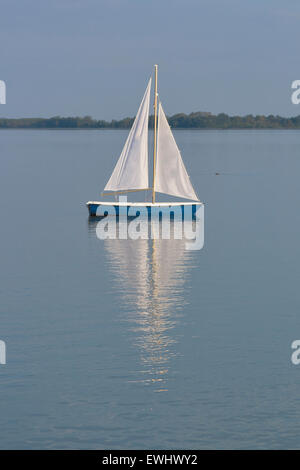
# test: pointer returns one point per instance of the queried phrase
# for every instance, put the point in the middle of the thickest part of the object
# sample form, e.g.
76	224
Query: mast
155	134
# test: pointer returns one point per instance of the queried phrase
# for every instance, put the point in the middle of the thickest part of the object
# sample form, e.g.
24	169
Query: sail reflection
150	277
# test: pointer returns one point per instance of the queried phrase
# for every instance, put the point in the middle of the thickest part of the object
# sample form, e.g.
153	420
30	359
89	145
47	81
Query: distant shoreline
192	121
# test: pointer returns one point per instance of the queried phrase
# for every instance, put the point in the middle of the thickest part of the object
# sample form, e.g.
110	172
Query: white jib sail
170	176
131	170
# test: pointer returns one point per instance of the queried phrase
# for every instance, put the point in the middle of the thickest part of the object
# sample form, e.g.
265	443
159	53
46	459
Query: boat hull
173	210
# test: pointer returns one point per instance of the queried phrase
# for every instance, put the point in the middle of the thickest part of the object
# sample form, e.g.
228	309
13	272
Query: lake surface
144	344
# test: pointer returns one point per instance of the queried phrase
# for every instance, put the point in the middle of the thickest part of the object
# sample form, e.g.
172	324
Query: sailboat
131	171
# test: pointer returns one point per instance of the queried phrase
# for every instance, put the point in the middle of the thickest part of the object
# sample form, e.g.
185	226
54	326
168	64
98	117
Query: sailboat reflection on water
150	276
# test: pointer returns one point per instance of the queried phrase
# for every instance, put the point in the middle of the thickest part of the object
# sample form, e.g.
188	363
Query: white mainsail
131	170
170	176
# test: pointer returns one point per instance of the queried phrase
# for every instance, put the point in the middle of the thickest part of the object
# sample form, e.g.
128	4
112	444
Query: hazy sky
94	57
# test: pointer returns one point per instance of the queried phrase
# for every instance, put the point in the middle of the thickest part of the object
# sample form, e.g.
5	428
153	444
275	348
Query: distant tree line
198	120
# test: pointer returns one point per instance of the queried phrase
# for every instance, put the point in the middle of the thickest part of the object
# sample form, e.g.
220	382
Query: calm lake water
142	344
